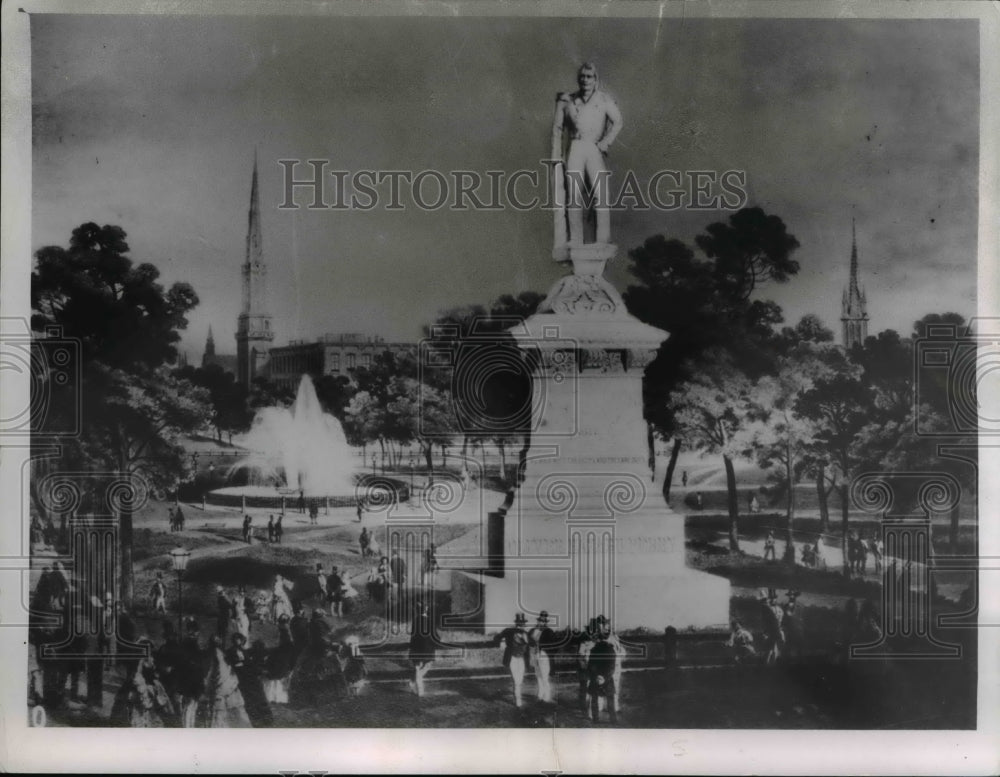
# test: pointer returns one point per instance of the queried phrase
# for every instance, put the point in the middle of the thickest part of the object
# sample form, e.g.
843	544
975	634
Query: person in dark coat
423	646
270	528
335	592
168	659
316	673
601	666
398	569
223	611
278	530
516	652
280	663
189	680
248	668
299	629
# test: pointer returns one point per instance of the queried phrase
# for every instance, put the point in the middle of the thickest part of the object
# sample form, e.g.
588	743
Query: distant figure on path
270	528
684	478
769	553
278	530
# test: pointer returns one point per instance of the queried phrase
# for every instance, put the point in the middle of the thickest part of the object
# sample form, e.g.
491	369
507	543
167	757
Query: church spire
854	306
210	343
253	327
255	254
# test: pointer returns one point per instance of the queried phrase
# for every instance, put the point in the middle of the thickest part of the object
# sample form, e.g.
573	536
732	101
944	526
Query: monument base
564	569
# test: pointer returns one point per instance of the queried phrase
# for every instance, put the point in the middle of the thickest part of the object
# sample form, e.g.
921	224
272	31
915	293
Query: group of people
175	517
275	530
596	651
858	550
782	631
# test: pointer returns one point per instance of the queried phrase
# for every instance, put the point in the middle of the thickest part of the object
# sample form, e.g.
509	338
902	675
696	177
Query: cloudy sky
151	122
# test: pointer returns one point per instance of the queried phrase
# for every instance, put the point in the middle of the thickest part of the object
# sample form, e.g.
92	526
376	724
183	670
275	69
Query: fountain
291	452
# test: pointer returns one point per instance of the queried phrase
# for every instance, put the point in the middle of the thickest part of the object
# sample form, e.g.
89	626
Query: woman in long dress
279	664
281	604
142	701
223	705
240	617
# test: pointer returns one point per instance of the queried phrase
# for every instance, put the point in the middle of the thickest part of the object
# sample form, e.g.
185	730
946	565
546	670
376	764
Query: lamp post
179	559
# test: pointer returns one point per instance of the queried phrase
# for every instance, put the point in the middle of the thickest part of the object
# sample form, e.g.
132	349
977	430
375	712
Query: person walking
541	640
179	518
223	612
280	663
398	569
298	629
791	626
247	666
278	530
223	705
247	528
190	674
875	548
335	592
241	619
741	641
423	646
364	541
270	528
771	615
515	654
604	670
321	588
769	552
158	596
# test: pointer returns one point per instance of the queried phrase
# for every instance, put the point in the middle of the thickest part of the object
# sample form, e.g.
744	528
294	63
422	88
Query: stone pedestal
588	533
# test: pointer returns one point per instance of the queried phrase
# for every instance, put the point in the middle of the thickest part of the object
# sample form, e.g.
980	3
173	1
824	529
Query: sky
152	123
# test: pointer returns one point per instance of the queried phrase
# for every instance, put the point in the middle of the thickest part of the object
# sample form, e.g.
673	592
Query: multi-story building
332	354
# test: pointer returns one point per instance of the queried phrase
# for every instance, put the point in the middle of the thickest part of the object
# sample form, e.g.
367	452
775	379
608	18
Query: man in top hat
515	654
772	615
541	640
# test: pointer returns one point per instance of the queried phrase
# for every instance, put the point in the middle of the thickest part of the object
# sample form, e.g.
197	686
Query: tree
127	325
751	249
779	434
706	303
839	405
230	411
120	314
712	409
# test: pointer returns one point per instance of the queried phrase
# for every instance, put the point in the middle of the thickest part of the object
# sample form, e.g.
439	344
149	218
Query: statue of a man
592	121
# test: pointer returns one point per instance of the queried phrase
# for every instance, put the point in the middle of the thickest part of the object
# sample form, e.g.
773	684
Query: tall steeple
253	327
854	305
209	346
